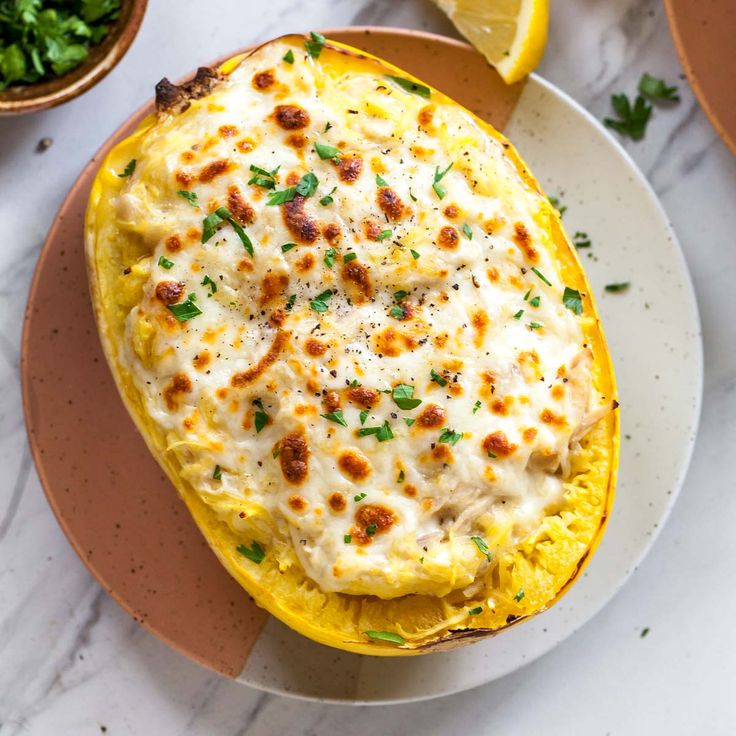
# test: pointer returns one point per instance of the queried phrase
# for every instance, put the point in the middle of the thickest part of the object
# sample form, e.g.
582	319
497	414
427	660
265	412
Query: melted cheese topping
280	396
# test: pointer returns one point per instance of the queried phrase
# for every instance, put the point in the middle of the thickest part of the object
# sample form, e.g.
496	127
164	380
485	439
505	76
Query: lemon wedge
511	34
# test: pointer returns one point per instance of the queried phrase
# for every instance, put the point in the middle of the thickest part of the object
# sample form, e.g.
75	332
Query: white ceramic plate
653	331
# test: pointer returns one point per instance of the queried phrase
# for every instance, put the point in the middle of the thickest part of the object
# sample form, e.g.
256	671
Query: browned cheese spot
202	359
214	169
173	244
358	276
557	391
392	343
549	417
337	502
272	286
432	416
183	178
448	238
354	465
297	503
390	203
239	380
297	140
362	396
302	227
169	292
524	242
264	80
349	168
501	406
294	458
315	347
372	229
187	156
239	208
305	263
410	490
426	115
291	117
529	434
379	518
332	401
451	211
332	232
227	131
498	443
180	384
480	321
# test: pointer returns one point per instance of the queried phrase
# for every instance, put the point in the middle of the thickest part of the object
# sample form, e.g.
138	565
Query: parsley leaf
617	287
330	254
476	406
359	497
286	247
535	301
450	436
349	257
439	190
347	539
383	433
165	262
324	151
397	312
288	57
217	473
190	197
482	547
315	44
437	378
255	553
185	310
475	611
581	240
467	231
518	314
414	254
403	396
335	416
129	169
388	636
307	185
657	89
632	119
290	302
222	214
207	281
380	181
541	276
263	177
519	594
414	87
572	300
363	416
261	418
384	234
327	199
320	302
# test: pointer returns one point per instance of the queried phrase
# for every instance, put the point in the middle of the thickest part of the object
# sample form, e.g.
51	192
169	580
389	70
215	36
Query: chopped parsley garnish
581	240
359	497
400	294
290	302
476	406
190	197
632	119
320	302
482	547
328	125
288	57
519	595
467	231
526	296
617	287
403	396
572	300
255	553
222	214
207	281
450	436
306	187
276	452
335	416
534	325
388	636
555	202
409	421
363	416
129	169
413	198
347	539
384	234
263	177
401	477
286	247
324	152
657	89
541	276
315	44
414	254
409	86
185	310
371	529
383	433
535	301
397	312
330	254
644	632
261	418
328	199
475	611
349	257
380	181
437	378
518	314
217	473
165	262
439	190
492	454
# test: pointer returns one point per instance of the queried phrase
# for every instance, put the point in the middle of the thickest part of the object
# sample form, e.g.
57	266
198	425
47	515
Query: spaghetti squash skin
343	532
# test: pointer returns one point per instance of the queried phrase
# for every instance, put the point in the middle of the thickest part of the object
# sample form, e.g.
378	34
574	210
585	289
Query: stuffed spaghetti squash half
353	332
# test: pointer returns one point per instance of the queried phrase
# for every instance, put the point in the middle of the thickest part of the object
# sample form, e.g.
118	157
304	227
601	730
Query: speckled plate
130	529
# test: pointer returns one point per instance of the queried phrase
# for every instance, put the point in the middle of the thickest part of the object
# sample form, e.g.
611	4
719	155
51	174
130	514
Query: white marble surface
71	662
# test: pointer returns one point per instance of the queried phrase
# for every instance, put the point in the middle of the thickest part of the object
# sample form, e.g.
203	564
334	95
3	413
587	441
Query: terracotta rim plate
128	526
704	34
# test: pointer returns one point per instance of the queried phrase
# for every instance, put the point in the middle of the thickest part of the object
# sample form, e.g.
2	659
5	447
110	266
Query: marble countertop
71	662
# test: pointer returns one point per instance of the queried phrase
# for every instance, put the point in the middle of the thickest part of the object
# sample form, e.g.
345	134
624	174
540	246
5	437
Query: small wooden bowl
23	98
